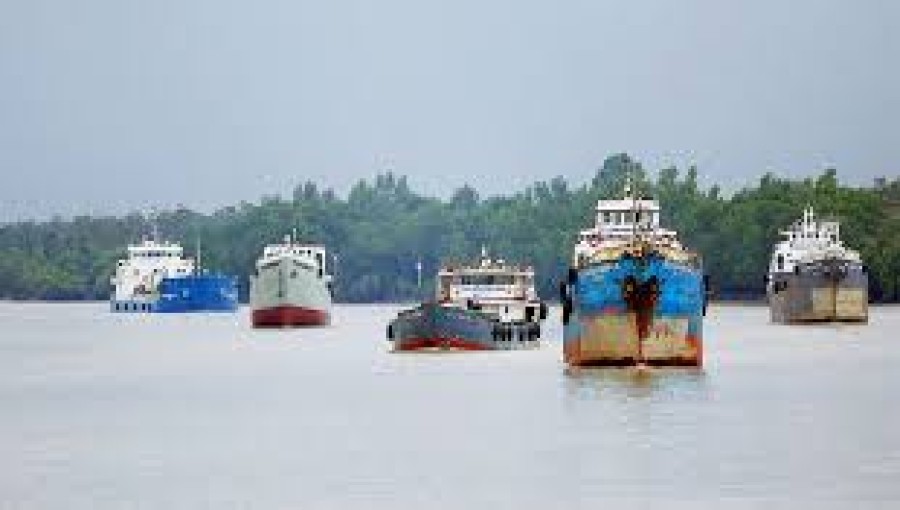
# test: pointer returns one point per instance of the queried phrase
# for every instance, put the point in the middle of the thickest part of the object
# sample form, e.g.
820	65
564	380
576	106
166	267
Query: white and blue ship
634	294
156	277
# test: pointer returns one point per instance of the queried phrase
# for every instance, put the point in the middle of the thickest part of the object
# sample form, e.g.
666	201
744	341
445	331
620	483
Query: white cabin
307	256
621	222
137	276
808	240
493	286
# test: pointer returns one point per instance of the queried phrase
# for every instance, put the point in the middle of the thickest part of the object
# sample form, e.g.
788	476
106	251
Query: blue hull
194	293
635	310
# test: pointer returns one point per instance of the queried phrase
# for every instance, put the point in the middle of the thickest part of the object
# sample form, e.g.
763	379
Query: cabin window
780	262
487	279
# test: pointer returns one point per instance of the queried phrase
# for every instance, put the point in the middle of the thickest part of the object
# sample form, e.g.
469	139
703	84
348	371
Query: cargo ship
486	305
813	277
291	286
156	277
634	295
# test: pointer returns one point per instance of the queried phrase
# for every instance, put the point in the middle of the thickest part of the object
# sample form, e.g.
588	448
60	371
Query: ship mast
199	256
419	274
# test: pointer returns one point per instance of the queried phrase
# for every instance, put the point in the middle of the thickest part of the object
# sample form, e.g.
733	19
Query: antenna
199	256
154	226
419	272
630	193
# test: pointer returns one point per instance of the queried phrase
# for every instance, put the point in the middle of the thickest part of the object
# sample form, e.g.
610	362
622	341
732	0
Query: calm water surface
128	411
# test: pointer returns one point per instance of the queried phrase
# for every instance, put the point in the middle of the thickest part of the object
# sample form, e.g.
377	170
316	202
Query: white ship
291	286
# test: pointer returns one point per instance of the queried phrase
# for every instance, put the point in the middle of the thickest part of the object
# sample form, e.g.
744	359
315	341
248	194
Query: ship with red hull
291	286
490	305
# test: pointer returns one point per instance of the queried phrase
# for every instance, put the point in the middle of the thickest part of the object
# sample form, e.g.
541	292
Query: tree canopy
382	228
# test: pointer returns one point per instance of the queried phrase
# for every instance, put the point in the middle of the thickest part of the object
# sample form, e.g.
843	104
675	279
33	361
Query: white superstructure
809	240
493	286
137	277
622	224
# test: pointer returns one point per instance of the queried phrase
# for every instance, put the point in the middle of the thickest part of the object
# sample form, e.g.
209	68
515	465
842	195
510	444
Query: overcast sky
117	105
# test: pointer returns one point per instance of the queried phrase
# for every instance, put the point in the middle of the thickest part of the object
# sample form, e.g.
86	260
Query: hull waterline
431	326
824	292
289	316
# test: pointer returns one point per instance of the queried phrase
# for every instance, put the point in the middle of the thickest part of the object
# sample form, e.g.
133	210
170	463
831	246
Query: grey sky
110	106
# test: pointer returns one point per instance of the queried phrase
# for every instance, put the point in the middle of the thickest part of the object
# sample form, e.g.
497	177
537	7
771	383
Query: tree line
382	228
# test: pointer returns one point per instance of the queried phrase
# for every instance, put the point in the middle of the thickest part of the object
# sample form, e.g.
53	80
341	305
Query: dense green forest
382	228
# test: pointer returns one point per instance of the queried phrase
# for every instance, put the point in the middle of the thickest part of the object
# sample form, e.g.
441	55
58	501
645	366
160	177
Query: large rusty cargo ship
813	277
633	295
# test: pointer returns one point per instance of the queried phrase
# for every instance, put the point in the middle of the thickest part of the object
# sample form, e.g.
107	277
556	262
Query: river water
201	411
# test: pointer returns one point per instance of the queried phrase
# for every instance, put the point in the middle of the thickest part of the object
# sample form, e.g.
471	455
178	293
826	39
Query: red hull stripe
285	316
460	344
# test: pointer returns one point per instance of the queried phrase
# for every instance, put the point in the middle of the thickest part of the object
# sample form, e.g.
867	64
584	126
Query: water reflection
633	383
